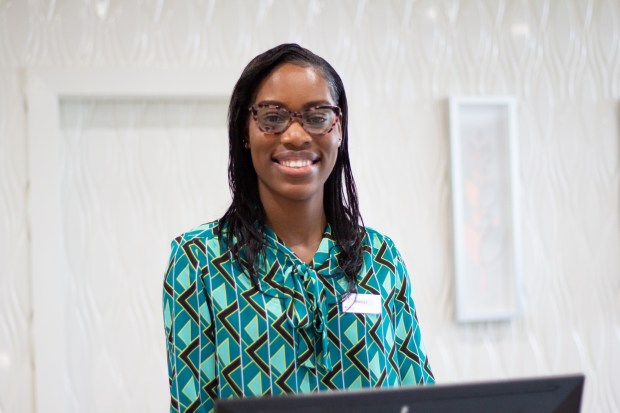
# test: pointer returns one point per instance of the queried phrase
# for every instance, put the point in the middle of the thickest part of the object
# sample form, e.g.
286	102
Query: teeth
296	164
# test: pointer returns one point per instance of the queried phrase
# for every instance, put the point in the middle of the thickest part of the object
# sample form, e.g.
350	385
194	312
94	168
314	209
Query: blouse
298	330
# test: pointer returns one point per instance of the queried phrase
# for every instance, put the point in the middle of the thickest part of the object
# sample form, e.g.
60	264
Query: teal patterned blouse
292	334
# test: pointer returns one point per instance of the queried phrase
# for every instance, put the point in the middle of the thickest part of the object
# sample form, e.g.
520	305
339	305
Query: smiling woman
288	292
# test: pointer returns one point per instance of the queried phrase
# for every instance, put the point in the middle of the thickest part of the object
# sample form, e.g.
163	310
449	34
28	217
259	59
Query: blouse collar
327	248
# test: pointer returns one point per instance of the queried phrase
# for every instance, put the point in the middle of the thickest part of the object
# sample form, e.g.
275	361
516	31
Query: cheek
260	161
256	141
252	133
332	150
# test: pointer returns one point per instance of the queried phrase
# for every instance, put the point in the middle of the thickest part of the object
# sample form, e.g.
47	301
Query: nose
295	135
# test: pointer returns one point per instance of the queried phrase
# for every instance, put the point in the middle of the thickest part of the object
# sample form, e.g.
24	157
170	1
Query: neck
300	224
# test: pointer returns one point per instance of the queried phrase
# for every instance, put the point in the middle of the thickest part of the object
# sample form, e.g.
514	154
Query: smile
299	163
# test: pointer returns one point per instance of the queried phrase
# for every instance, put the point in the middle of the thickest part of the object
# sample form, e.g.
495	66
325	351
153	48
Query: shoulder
383	249
202	234
378	240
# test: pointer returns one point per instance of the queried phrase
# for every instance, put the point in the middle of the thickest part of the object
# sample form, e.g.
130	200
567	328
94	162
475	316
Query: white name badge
362	304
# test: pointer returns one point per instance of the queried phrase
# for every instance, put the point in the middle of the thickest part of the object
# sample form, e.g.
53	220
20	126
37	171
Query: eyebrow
307	105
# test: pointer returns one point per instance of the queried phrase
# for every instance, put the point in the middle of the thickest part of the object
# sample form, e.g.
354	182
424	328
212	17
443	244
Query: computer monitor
560	394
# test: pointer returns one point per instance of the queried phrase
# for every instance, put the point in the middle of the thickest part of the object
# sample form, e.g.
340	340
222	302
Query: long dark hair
244	220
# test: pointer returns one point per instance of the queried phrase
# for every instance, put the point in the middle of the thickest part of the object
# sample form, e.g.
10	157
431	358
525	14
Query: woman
287	293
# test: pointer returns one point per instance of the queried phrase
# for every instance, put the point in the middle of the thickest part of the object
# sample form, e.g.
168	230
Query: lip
289	162
295	156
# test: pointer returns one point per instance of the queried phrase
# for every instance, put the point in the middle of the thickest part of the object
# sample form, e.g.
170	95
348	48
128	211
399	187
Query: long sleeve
189	331
413	364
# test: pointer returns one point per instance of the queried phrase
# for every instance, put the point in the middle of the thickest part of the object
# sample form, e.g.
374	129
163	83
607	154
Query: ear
339	126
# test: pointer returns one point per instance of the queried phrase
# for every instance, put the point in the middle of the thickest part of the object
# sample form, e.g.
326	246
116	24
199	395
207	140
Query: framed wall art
485	201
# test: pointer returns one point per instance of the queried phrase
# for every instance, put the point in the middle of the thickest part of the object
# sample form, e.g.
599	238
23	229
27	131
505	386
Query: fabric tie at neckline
309	312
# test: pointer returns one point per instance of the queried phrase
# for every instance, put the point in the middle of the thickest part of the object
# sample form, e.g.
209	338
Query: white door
115	176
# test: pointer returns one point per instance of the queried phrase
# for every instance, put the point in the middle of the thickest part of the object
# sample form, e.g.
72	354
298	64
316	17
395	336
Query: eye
273	116
318	117
316	120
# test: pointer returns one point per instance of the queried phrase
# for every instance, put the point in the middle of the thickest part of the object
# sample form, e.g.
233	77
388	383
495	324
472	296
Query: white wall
400	60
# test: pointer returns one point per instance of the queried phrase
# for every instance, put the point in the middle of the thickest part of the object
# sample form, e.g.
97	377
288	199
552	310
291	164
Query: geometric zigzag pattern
227	338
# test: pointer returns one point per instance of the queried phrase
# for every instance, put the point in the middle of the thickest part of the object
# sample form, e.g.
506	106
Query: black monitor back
560	394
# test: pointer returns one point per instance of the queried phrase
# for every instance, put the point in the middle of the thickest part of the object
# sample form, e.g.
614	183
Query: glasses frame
292	115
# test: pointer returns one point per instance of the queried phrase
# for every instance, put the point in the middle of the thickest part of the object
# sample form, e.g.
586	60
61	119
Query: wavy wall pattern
16	370
400	61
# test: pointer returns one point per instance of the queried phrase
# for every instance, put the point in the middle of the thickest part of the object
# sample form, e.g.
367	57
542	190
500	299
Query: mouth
296	160
296	163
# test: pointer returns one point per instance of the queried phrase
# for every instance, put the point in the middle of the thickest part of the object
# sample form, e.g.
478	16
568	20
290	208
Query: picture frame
485	207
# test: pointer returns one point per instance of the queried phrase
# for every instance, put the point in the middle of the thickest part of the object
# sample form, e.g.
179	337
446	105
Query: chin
299	193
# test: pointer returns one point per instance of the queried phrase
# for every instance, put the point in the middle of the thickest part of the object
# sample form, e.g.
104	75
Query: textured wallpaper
400	61
16	369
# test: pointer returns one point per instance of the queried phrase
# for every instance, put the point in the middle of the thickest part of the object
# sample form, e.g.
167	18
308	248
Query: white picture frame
485	206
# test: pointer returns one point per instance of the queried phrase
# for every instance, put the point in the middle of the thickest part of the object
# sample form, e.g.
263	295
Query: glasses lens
272	120
318	120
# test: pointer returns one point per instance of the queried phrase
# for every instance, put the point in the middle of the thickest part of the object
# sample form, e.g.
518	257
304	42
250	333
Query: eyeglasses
317	120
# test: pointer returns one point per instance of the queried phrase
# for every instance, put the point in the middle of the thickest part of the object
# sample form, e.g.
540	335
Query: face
293	165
